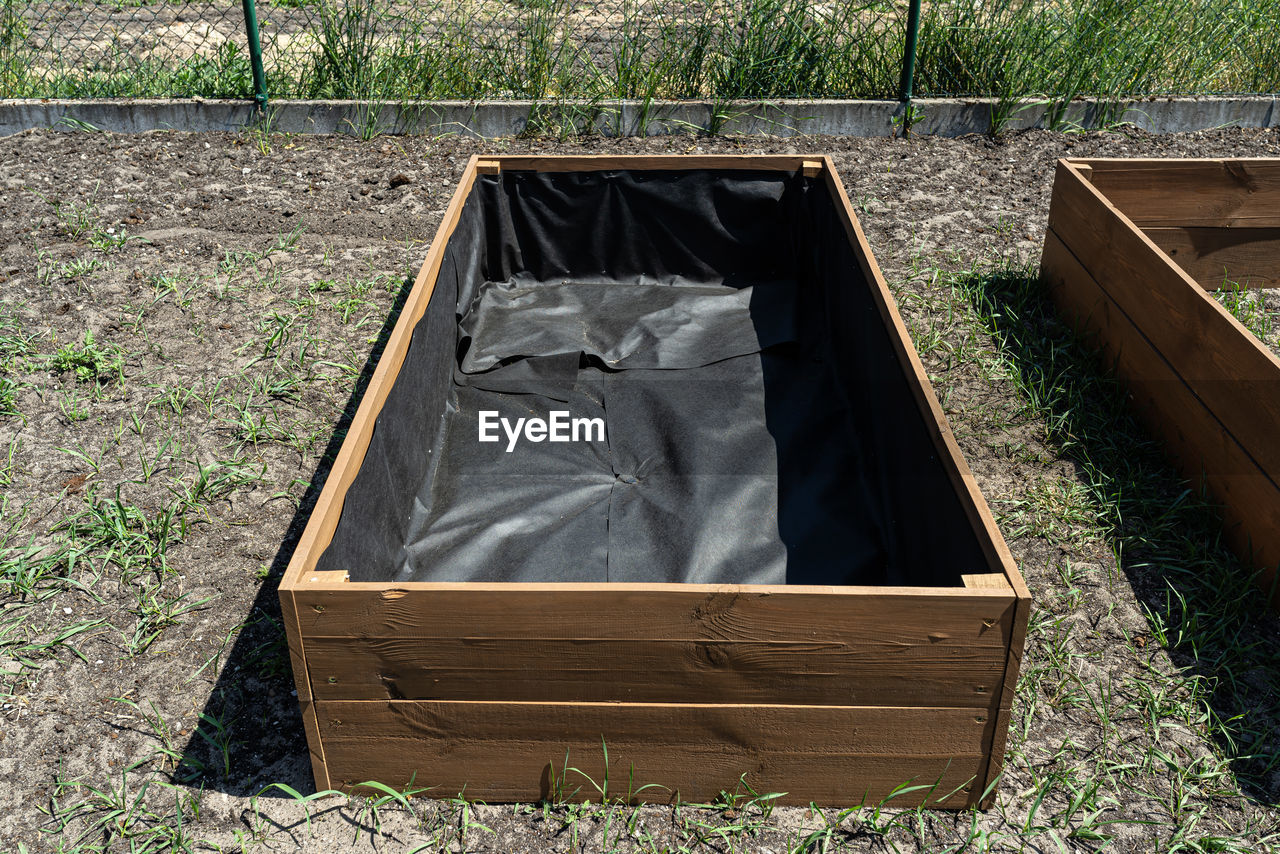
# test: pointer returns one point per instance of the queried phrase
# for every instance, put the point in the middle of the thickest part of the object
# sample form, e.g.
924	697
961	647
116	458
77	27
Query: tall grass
1014	50
1061	49
1010	49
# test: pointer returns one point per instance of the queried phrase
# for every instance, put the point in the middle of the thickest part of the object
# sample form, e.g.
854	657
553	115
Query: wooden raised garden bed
1132	248
773	562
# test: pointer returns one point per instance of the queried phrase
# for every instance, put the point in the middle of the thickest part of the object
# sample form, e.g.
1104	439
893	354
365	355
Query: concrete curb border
495	119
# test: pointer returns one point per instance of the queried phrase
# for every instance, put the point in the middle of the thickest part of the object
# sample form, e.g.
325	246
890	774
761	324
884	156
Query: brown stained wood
1234	374
293	635
302	684
1192	193
1204	450
488	167
1221	257
976	618
596	162
315	745
505	751
336	576
962	479
808	672
986	793
987	581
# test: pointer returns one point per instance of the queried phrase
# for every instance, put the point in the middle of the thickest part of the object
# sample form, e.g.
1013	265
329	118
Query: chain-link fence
67	48
549	49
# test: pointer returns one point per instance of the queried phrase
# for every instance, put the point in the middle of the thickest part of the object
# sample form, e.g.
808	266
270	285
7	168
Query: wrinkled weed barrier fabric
758	426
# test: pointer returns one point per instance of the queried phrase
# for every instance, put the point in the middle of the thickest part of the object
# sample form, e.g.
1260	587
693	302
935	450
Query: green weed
1248	307
90	361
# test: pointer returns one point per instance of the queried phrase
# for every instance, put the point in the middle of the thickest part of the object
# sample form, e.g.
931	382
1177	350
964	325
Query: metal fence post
255	55
908	53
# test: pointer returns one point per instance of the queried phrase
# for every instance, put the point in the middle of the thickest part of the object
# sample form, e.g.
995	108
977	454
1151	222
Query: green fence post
255	55
909	53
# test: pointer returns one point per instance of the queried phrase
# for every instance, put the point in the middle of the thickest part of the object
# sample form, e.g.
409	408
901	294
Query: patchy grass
167	428
1181	702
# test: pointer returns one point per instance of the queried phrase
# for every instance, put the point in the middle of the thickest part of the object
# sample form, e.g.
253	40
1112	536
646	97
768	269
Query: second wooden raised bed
1132	248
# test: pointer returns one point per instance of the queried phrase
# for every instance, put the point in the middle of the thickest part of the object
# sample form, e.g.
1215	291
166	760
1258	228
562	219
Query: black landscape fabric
758	427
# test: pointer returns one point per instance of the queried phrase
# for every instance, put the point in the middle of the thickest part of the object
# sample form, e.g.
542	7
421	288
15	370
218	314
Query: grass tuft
90	361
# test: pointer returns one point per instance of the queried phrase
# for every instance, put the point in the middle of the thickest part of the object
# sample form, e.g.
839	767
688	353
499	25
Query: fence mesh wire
126	48
475	49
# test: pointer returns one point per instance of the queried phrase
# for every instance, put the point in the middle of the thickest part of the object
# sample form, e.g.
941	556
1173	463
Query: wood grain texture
334	576
1205	451
1249	257
681	162
818	672
974	618
506	751
985	794
986	581
1192	192
1223	364
302	683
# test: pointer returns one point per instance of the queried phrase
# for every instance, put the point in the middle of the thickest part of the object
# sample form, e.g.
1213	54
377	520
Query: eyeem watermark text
556	427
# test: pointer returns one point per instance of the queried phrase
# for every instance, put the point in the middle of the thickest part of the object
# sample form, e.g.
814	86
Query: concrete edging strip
494	119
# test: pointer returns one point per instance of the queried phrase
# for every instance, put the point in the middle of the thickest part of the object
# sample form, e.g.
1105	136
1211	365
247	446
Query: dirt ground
183	319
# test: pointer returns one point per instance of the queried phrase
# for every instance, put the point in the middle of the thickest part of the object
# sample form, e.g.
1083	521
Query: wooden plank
682	162
293	636
1249	257
505	751
302	683
1192	192
987	581
315	746
1008	694
328	510
1223	364
334	576
962	479
975	618
802	671
1203	448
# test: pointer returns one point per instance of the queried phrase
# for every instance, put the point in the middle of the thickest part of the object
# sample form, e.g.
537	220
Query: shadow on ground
1200	598
250	733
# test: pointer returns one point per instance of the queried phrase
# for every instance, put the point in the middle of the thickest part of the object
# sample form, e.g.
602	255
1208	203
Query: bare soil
246	364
